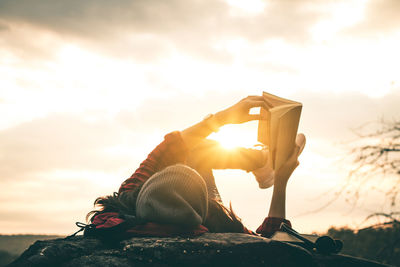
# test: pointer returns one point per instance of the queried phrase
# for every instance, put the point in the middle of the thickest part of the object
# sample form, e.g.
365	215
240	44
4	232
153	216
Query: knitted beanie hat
176	195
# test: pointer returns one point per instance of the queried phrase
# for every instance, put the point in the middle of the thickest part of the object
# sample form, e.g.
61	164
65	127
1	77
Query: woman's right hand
239	113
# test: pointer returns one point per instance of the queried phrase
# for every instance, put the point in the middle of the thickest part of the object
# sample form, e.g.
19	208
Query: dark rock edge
211	249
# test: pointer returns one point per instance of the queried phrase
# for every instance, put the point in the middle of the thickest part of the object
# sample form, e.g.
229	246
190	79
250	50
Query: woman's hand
285	171
266	176
239	113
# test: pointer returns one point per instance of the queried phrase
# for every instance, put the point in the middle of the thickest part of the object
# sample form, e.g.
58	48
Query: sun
232	136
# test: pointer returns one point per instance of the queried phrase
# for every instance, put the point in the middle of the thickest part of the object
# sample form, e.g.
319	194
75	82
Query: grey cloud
189	25
4	27
194	18
106	24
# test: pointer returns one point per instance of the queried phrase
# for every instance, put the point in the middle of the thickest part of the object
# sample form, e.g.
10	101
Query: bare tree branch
376	160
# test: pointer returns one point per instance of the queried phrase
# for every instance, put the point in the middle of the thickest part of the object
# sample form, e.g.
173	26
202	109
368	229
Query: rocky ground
228	249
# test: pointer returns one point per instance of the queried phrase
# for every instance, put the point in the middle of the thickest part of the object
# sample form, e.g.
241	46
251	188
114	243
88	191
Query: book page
276	100
264	127
275	118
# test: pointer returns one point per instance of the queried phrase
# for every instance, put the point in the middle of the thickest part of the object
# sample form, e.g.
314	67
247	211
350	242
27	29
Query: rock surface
229	249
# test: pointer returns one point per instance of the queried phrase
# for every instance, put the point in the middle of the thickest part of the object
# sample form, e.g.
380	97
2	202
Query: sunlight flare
233	136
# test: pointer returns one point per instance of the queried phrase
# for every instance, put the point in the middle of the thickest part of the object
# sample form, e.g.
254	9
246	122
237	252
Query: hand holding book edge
265	175
301	142
285	171
239	112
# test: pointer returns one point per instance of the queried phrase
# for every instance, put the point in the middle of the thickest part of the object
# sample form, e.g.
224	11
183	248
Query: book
283	236
278	131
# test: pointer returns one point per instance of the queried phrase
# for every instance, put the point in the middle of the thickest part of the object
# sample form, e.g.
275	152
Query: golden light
232	136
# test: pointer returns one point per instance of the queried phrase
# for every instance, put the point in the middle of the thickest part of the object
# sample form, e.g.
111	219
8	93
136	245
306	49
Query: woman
173	191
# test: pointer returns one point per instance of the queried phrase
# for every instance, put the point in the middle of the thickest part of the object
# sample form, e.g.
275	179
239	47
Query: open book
279	130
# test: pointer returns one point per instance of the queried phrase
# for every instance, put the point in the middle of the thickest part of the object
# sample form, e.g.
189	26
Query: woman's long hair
219	219
124	203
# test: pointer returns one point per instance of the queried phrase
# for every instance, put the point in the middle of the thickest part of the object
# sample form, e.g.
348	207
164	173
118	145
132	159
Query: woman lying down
173	191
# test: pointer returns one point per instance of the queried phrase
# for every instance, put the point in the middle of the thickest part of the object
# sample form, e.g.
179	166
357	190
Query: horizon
88	89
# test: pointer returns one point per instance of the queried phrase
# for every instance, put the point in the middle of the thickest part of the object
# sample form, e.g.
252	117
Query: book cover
278	131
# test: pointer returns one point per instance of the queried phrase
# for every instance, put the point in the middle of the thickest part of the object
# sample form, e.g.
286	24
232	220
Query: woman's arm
171	151
174	148
209	155
238	113
277	210
278	205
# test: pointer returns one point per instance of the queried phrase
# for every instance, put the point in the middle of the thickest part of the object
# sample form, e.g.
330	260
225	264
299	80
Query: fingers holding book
266	176
239	113
259	101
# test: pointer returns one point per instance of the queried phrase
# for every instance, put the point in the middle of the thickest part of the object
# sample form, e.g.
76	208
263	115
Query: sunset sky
89	88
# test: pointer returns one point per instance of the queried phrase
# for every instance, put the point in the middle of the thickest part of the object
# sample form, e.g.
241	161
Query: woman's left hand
239	113
265	175
285	171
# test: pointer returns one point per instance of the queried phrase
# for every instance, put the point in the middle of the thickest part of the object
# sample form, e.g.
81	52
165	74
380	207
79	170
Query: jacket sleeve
171	151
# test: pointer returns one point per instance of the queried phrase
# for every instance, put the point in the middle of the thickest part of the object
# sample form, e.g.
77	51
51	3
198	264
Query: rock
228	249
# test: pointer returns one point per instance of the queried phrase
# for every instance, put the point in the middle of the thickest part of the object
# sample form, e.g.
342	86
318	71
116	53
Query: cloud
332	116
94	142
381	17
156	113
26	45
4	27
57	142
153	27
194	18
